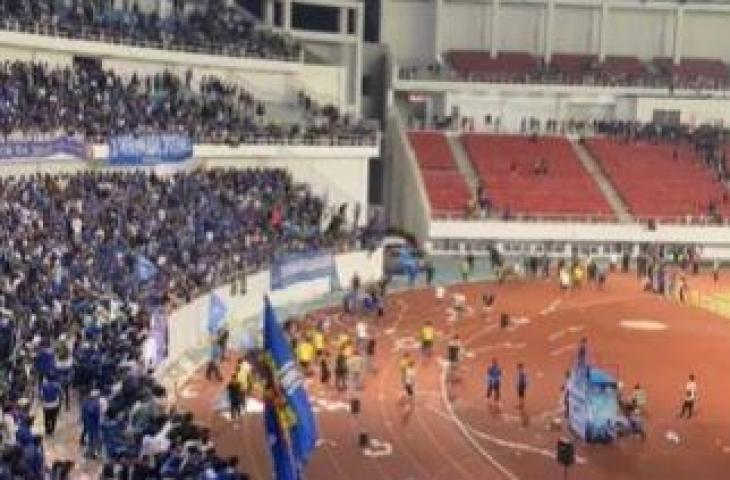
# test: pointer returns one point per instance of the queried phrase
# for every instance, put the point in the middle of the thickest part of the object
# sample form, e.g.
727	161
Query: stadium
364	239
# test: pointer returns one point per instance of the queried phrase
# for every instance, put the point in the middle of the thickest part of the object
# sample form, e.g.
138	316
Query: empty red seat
446	188
659	180
506	166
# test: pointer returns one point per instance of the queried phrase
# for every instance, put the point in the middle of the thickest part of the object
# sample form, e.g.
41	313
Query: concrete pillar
549	30
286	24
438	13
359	33
678	35
595	45
164	8
268	13
344	13
602	44
496	37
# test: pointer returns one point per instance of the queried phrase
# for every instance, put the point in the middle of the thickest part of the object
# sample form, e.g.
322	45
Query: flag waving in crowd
290	423
217	312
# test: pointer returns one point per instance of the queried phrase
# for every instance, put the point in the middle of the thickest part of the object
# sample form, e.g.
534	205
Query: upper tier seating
655	184
578	68
705	72
507	165
211	27
480	64
96	103
445	186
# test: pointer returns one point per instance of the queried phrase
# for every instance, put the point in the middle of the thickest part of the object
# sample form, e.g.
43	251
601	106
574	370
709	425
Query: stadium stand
209	27
446	188
534	176
661	179
575	69
74	245
95	102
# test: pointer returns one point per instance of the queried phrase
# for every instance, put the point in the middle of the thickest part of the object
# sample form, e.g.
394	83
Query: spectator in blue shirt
494	380
51	398
91	421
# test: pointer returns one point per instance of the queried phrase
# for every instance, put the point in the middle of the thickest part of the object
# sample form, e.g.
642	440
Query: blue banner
290	422
149	149
217	312
34	149
296	268
593	411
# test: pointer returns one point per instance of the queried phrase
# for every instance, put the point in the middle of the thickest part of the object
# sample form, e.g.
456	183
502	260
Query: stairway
596	172
462	162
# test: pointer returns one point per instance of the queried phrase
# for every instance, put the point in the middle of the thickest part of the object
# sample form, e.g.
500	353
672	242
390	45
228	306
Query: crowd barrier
188	325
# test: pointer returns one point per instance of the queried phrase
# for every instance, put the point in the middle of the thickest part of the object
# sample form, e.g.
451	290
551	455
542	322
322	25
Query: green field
718	303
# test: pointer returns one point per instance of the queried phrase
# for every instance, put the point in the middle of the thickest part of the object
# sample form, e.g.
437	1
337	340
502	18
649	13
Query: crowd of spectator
211	26
76	306
708	141
86	99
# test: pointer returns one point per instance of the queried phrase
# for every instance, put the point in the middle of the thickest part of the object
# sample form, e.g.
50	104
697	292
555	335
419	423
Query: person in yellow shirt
403	364
305	353
427	337
318	342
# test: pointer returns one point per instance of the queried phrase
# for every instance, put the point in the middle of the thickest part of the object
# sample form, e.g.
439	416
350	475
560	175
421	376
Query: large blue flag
217	312
144	269
288	399
284	466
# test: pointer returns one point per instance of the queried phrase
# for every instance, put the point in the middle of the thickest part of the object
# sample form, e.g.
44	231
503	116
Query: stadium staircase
462	162
596	172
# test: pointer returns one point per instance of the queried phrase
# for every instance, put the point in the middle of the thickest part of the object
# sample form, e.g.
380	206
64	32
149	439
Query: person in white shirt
690	398
8	428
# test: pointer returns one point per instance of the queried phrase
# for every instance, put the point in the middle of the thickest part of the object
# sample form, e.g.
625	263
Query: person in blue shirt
91	420
44	361
521	385
494	380
33	462
51	398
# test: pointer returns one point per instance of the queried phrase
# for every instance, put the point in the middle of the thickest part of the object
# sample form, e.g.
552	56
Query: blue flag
217	312
288	398
144	269
284	467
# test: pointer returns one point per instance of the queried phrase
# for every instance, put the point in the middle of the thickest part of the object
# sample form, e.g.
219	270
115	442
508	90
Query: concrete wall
644	29
408	204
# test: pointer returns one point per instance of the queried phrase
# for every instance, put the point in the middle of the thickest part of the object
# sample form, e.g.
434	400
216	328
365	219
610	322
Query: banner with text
149	149
301	267
37	149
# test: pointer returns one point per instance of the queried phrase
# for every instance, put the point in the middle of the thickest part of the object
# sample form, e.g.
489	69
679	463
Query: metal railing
590	218
447	74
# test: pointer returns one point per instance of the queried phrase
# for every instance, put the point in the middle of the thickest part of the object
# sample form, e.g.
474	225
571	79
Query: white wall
692	111
522	28
643	29
466	26
407	27
407	201
714	238
574	29
635	32
707	34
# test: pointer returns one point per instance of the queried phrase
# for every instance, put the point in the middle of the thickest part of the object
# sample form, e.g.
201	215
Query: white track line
468	435
562	350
